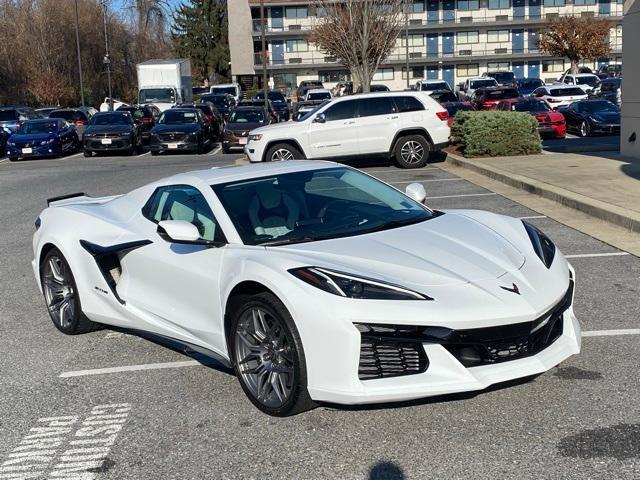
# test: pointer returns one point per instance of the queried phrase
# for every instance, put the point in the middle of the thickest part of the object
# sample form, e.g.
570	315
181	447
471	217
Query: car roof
319	90
583	74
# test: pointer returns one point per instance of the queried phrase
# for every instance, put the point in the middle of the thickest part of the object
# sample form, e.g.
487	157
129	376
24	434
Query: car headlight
351	286
11	144
47	142
255	137
542	245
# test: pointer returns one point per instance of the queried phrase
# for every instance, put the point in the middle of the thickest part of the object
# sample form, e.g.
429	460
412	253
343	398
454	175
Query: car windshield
111	119
597	107
530	83
591	81
500	94
453	108
318	95
137	113
536	106
219	101
566	92
315	205
503	77
434	86
171	117
247	116
69	115
162	95
8	115
483	83
312	111
275	97
38	127
229	90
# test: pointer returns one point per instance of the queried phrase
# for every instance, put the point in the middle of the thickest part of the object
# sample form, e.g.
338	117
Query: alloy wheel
264	355
412	152
282	154
59	292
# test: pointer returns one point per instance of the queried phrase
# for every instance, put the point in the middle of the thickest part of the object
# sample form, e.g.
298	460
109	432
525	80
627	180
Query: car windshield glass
530	83
8	115
315	205
434	86
218	100
247	116
312	111
177	117
597	107
137	113
229	90
378	88
275	97
445	96
69	115
151	95
566	92
38	127
530	107
499	94
483	83
318	95
503	77
586	80
452	108
110	119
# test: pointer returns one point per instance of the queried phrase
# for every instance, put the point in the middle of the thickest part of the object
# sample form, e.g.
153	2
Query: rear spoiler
64	197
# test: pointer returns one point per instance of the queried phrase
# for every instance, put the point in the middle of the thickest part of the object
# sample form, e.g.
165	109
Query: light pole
406	45
78	49
265	77
107	59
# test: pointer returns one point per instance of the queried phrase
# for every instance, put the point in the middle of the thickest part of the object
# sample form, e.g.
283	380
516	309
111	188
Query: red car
489	98
550	122
455	107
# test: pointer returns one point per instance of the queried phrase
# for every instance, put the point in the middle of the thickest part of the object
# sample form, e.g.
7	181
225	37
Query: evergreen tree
199	32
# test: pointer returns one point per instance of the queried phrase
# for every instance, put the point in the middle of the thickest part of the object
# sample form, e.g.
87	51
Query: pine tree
199	32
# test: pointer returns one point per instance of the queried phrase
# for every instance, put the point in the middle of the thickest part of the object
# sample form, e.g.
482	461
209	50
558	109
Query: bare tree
576	38
360	34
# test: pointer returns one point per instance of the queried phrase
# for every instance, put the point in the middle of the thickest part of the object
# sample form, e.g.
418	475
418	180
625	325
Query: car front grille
96	144
172	137
239	133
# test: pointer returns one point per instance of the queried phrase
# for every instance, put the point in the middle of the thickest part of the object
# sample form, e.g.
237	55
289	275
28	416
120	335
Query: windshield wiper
288	241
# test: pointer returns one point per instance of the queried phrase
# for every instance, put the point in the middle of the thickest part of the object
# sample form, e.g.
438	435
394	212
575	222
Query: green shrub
496	133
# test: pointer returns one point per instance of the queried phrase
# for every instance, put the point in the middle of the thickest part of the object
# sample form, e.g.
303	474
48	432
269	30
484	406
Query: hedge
496	133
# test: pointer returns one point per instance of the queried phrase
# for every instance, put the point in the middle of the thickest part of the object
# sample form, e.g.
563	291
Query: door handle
350	122
394	117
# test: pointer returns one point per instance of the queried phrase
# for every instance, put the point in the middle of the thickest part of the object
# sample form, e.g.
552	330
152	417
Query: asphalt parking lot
165	415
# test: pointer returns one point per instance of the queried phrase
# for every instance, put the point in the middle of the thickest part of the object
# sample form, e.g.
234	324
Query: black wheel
226	150
13	159
88	153
154	152
201	147
61	295
283	151
585	129
412	151
267	355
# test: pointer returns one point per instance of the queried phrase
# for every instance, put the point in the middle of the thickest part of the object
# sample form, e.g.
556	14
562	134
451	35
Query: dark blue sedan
526	86
47	137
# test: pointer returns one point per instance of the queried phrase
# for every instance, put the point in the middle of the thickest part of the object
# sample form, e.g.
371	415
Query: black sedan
278	101
211	116
592	117
223	102
180	129
144	116
111	132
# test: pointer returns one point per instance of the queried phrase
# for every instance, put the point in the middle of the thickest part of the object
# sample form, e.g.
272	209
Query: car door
378	121
572	117
334	132
175	286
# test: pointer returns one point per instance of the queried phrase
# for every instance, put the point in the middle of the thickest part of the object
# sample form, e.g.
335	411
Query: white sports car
314	281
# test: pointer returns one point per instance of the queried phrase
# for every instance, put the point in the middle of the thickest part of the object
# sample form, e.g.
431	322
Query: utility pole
107	59
78	49
406	45
265	76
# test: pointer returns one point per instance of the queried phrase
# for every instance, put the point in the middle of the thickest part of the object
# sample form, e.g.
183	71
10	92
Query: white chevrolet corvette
314	281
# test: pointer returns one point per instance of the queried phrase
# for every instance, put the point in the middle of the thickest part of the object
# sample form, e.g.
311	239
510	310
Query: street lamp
107	58
265	77
78	50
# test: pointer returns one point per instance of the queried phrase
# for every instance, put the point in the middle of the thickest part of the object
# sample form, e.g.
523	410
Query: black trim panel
64	197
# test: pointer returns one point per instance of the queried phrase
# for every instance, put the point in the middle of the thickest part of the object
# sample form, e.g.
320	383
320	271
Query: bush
495	133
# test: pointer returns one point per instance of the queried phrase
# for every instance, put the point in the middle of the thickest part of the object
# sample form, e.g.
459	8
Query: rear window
111	119
536	106
68	115
587	80
501	94
318	95
178	117
218	100
8	115
503	77
483	83
229	90
566	92
530	83
434	86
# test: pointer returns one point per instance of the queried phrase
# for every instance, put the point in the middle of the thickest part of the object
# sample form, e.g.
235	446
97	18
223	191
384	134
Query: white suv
401	125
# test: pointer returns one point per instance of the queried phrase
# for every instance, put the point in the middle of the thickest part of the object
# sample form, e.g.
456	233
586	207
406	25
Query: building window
417	6
554	3
468	4
383	74
495	4
415	40
297	46
495	36
497	66
553	66
465	38
584	2
288	80
414	72
296	12
469	70
329	76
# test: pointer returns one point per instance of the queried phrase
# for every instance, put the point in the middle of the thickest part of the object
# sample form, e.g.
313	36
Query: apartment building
448	39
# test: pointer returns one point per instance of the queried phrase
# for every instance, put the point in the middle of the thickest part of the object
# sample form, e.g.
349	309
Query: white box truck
164	83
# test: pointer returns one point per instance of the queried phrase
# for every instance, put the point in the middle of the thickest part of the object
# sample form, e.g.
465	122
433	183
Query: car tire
412	151
61	295
283	151
585	129
13	159
200	149
279	385
88	153
154	153
226	150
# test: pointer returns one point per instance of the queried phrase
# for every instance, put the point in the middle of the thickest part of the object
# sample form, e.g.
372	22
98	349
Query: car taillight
444	115
146	120
80	122
209	118
553	100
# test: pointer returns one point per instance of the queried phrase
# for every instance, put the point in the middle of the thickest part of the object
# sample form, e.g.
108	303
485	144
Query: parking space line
397	170
216	151
611	333
593	255
74	155
430	180
4	160
130	368
531	217
145	153
465	195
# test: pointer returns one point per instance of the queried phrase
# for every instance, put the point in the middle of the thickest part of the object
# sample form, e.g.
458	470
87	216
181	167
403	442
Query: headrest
268	195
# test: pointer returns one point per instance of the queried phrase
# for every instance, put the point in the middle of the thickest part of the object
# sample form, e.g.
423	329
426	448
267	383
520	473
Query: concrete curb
604	211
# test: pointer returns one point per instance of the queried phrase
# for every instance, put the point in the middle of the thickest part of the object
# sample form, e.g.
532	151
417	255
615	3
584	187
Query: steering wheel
323	211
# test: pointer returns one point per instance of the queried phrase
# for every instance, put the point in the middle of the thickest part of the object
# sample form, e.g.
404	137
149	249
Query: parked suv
405	126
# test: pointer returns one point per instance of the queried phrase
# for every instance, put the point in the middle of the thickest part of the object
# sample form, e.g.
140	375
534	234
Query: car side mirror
416	191
178	231
320	118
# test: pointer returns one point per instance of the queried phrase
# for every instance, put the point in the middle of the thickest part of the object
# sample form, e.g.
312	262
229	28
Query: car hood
606	117
236	127
98	129
31	137
284	127
447	250
182	128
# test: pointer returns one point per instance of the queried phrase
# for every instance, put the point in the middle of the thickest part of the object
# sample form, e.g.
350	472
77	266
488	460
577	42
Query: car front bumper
180	146
605	128
230	141
95	144
36	151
